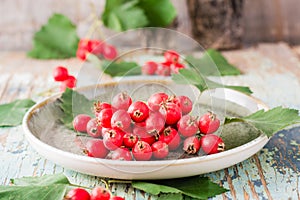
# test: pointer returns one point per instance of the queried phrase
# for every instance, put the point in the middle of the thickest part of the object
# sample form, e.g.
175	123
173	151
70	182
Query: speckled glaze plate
54	141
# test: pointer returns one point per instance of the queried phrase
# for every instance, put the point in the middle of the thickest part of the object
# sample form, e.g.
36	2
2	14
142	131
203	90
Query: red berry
78	194
109	52
163	69
211	144
95	148
81	54
160	149
120	119
142	151
187	126
130	139
186	104
60	73
149	68
120	154
138	111
96	46
171	137
93	128
80	122
113	138
121	101
70	82
155	123
175	67
117	198
104	117
143	135
85	44
156	100
99	193
172	112
191	145
98	106
171	56
208	123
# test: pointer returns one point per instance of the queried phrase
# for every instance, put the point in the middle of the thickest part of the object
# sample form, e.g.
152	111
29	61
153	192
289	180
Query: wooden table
271	70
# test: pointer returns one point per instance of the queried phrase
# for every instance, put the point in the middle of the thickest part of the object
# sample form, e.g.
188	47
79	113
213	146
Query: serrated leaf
271	121
195	187
121	15
11	114
191	76
159	13
212	63
56	39
48	187
73	103
42	180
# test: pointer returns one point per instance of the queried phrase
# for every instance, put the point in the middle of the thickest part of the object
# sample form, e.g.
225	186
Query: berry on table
93	129
142	151
163	69
109	52
138	111
191	145
188	125
95	148
81	54
78	194
171	137
80	122
208	123
121	101
99	193
70	82
149	68
160	149
60	73
212	144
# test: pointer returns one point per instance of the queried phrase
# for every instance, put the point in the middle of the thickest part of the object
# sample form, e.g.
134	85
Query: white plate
53	141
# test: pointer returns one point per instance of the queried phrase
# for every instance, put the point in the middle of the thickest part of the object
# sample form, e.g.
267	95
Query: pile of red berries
61	74
171	65
98	193
96	47
127	130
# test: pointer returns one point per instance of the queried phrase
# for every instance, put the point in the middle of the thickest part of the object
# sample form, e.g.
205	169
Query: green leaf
48	187
191	76
195	187
168	196
121	15
212	63
72	103
159	13
11	114
271	121
42	180
56	39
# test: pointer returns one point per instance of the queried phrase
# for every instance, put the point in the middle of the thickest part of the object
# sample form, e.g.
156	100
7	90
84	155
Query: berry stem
106	183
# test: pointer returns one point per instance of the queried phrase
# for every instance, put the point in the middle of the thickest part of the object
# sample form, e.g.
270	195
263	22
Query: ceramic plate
55	142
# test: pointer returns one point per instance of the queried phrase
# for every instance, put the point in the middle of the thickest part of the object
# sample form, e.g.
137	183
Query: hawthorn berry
109	52
60	73
156	100
121	153
171	137
138	111
155	123
143	135
212	144
163	69
80	122
99	193
187	126
191	145
78	194
142	151
160	149
95	148
149	68
130	139
171	56
120	119
172	112
175	67
208	123
70	82
121	101
93	129
186	104
104	117
113	138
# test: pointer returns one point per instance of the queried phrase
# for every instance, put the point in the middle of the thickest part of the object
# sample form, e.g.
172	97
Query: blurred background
222	24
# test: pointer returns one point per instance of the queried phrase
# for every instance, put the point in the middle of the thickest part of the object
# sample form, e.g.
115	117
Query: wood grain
271	70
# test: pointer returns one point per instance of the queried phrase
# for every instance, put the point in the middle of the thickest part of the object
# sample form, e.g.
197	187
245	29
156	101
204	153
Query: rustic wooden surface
271	70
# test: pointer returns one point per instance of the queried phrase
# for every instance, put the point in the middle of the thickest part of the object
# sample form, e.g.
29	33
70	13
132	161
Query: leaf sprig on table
54	187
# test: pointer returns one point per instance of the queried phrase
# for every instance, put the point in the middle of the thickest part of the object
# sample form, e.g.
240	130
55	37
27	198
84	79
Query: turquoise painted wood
271	70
